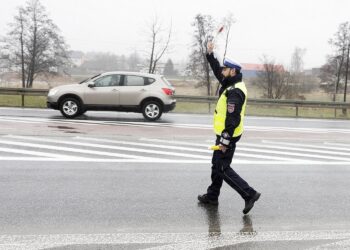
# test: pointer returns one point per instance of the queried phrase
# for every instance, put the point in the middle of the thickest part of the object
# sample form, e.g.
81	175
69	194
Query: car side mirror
91	84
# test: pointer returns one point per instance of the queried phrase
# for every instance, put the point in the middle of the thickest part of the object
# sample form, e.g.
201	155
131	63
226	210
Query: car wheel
70	107
152	110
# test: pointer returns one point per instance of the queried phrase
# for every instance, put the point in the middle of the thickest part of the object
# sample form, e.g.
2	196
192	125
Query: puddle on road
66	129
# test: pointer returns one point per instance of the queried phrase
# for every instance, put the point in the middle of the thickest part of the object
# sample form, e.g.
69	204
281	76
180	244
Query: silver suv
148	94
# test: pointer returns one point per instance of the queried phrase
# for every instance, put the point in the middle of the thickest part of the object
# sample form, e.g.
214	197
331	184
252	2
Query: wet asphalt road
91	199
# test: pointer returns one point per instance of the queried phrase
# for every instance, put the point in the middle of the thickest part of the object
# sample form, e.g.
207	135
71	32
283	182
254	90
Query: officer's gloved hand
225	141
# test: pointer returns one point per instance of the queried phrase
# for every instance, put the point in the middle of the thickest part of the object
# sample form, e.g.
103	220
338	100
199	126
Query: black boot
249	204
206	200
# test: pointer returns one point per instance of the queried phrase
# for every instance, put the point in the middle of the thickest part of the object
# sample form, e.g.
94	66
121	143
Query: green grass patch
29	101
261	110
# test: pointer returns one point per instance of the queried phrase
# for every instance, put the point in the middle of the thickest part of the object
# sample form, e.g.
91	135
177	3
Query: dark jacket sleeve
215	66
235	101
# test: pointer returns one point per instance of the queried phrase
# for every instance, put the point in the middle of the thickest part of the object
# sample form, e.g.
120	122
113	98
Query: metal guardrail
272	102
205	99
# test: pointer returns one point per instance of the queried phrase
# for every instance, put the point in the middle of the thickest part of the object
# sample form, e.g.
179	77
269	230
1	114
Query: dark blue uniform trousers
222	171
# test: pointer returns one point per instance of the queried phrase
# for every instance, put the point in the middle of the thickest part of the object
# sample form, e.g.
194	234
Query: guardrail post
22	100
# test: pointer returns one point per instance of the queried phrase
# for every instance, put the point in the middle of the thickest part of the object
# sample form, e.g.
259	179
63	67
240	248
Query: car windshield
87	79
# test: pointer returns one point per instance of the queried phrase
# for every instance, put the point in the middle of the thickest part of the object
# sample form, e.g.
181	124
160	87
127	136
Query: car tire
70	107
152	110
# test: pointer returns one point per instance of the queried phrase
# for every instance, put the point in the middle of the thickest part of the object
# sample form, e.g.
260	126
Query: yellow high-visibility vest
221	111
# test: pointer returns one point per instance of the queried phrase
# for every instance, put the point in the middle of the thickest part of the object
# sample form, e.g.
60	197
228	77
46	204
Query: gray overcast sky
271	27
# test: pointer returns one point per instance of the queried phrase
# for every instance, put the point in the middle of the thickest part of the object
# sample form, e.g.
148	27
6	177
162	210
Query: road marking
147	145
130	149
176	125
299	129
314	120
313	146
237	153
191	149
30	152
129	156
253	149
94	152
175	161
339	145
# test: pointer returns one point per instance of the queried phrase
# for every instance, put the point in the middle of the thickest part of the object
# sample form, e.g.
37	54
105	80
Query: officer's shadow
214	221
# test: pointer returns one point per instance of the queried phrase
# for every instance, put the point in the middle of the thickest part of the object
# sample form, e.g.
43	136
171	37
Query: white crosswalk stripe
145	150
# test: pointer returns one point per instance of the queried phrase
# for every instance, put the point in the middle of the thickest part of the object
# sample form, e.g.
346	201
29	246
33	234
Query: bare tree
329	74
159	43
297	61
340	42
297	76
347	64
34	44
273	78
198	65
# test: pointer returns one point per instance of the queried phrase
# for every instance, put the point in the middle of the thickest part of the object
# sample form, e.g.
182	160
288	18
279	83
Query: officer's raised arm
214	63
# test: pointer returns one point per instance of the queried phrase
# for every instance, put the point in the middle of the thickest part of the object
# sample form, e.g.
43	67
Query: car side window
134	81
107	81
149	81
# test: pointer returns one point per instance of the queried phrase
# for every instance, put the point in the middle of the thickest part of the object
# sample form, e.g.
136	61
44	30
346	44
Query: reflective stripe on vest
221	110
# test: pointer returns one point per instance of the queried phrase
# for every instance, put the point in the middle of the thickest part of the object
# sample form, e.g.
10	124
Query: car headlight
52	92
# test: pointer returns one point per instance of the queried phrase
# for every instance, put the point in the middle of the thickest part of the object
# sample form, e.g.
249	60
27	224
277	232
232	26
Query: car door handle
115	90
142	90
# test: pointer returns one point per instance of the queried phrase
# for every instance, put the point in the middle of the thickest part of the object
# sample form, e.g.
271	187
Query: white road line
251	149
329	150
190	115
113	123
174	142
191	149
339	145
146	145
67	149
46	120
176	161
306	130
237	153
30	152
297	147
178	125
40	159
18	121
29	109
129	149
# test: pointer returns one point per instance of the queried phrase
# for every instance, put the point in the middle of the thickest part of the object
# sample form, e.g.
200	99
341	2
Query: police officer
228	126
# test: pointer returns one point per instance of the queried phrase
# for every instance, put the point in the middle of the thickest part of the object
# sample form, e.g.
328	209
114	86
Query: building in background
250	70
